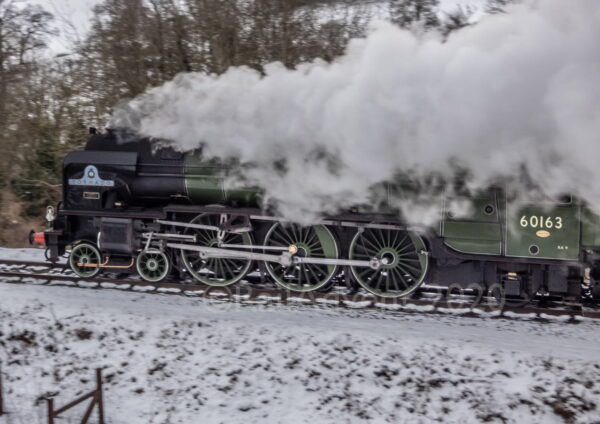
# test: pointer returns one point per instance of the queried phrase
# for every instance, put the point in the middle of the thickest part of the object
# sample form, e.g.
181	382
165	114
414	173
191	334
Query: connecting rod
285	259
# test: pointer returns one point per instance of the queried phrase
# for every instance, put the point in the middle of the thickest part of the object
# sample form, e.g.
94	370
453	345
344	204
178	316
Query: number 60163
540	221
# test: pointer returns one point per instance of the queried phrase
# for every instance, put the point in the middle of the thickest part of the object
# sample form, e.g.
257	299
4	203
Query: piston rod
252	246
284	259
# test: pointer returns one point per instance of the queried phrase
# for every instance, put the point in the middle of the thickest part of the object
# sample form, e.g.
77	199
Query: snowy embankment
24	254
172	359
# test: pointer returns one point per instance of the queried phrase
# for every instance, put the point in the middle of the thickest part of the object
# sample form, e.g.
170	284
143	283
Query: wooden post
50	403
99	397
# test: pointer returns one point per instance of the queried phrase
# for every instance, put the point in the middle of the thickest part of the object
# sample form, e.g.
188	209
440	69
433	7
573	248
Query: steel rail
250	293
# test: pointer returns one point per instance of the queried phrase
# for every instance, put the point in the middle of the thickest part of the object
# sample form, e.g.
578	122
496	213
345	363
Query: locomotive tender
137	207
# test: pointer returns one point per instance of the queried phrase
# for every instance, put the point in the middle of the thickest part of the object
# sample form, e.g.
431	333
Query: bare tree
497	6
406	13
23	33
457	19
132	45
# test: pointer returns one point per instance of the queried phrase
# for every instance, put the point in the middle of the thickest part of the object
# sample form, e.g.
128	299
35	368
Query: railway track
426	300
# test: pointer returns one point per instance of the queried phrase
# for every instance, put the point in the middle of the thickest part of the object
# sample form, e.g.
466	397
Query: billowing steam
515	97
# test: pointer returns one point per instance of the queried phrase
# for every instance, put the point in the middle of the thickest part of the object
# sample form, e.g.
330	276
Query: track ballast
424	301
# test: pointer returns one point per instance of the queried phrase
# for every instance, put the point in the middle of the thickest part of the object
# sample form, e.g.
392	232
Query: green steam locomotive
130	205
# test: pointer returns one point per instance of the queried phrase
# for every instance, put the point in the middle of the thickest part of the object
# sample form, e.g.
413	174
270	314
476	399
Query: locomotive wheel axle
219	270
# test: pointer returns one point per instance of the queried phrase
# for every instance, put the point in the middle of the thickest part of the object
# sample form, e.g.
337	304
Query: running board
246	229
285	259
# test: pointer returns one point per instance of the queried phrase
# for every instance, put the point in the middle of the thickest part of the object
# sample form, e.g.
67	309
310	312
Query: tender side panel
549	231
590	228
477	232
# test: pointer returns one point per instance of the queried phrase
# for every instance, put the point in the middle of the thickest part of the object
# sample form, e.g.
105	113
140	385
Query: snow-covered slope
24	254
171	359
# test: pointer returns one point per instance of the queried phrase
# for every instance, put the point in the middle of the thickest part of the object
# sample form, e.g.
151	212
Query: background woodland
48	101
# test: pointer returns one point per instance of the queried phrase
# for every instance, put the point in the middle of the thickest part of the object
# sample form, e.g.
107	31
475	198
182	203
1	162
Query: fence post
99	397
50	402
1	397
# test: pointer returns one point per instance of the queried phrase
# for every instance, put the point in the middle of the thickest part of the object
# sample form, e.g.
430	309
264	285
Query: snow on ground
24	254
172	359
175	359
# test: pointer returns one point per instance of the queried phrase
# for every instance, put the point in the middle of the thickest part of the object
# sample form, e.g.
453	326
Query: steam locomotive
134	206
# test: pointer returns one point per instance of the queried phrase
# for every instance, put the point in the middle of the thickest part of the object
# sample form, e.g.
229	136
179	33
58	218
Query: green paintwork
204	180
543	230
478	247
479	231
590	228
205	183
243	196
497	231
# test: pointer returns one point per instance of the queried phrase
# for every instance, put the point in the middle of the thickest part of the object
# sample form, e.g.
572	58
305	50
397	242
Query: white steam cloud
517	94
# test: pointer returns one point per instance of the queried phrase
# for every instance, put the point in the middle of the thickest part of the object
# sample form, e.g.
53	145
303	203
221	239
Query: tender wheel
153	265
85	254
403	257
217	272
317	242
503	300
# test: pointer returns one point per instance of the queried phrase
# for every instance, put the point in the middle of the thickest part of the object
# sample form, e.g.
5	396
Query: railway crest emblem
91	177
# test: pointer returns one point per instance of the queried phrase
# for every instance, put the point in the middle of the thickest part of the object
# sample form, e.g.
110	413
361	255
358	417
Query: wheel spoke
399	274
231	265
394	282
221	268
317	242
378	283
312	272
85	253
216	271
404	268
402	255
314	246
153	266
373	246
314	239
399	244
366	271
284	241
287	235
410	267
205	238
378	237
